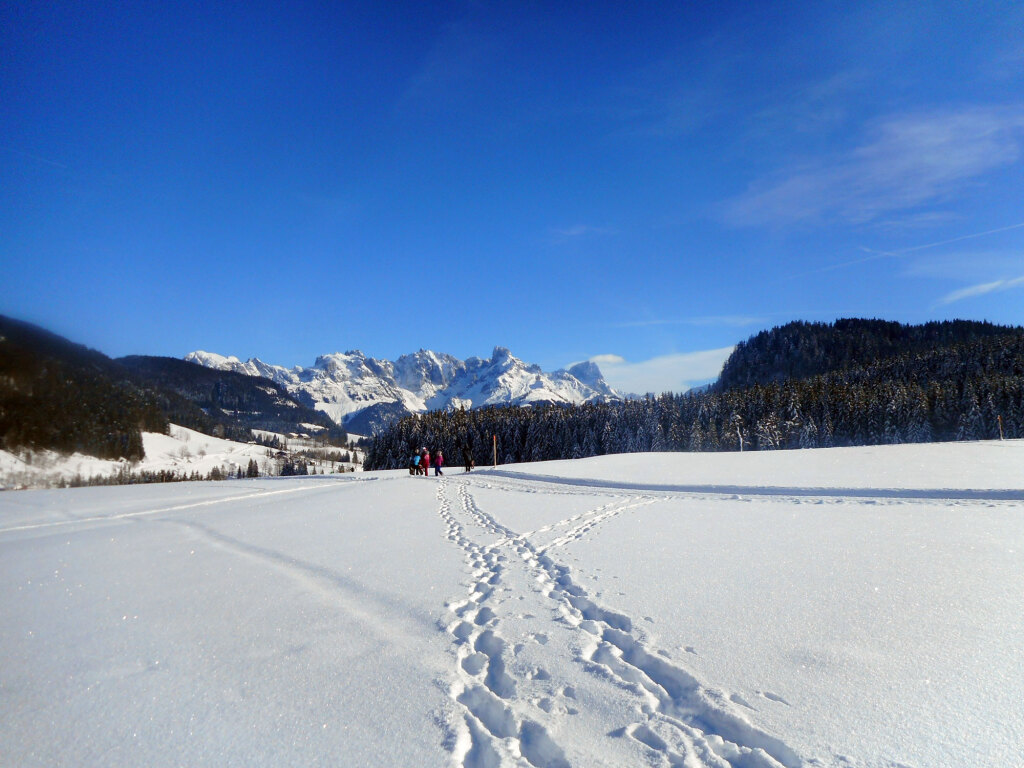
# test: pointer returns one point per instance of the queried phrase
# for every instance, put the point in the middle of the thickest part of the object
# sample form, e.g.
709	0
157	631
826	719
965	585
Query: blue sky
643	185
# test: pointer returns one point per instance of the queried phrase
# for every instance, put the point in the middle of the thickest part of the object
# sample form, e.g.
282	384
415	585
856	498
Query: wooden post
495	451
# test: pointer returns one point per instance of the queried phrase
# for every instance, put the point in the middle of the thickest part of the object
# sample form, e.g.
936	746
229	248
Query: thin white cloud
908	161
874	254
457	63
981	289
965	266
607	360
667	373
922	220
37	158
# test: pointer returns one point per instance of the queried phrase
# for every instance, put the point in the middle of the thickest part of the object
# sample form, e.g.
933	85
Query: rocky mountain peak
364	393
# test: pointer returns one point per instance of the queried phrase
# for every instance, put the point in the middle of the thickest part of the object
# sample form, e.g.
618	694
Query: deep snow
182	451
844	607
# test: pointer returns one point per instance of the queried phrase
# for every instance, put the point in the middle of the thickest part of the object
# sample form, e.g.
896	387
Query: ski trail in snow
510	709
379	613
259	494
910	494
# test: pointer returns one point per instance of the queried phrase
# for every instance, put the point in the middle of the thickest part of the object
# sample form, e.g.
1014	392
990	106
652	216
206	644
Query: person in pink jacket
425	462
438	463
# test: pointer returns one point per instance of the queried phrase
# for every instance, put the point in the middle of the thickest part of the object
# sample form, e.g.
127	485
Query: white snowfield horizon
850	608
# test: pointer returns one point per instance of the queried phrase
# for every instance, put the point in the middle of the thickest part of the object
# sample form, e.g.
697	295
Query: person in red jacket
438	463
425	462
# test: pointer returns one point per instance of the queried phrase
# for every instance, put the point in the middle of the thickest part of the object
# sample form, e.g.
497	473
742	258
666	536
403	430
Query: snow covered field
844	607
183	452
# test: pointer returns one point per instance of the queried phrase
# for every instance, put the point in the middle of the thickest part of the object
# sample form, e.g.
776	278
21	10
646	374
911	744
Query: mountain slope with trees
960	390
62	396
241	401
800	350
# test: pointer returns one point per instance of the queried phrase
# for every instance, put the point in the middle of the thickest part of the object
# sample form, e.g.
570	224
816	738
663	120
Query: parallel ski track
683	724
597	485
258	494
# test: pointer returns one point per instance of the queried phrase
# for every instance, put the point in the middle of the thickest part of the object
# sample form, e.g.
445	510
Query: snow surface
844	607
183	451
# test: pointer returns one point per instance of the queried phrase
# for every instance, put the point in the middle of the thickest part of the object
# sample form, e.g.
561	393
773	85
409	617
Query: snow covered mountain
364	393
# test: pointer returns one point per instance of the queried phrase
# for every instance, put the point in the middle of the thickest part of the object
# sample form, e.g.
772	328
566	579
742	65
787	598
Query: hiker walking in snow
425	462
438	463
414	465
467	457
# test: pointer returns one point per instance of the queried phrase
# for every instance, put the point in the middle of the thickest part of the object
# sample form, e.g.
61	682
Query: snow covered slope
344	385
848	608
183	452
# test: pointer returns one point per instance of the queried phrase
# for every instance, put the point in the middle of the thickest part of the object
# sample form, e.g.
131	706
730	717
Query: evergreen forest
803	385
62	396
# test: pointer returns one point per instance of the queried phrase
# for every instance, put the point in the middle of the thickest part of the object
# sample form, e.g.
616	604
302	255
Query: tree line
960	391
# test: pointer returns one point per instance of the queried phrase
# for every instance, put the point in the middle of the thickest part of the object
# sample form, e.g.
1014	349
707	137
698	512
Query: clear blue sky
641	182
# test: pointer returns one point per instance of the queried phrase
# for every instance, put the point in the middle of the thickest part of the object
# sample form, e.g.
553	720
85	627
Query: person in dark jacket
467	457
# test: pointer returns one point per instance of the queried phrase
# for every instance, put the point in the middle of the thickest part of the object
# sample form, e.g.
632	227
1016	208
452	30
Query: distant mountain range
365	394
851	382
801	385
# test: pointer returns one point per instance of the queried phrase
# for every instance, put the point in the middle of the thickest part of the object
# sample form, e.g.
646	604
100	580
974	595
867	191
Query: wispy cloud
457	63
973	291
907	161
667	373
874	254
814	107
918	221
966	266
37	158
578	232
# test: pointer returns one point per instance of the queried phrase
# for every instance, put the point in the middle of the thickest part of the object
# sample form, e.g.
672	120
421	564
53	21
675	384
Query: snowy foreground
844	607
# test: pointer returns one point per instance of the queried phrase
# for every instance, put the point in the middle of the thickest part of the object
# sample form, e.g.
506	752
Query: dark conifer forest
803	385
58	395
63	396
238	402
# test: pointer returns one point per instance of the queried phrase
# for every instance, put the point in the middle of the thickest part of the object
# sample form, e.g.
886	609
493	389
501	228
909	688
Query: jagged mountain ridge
364	393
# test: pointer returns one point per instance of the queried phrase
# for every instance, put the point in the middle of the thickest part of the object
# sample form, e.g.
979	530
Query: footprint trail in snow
545	676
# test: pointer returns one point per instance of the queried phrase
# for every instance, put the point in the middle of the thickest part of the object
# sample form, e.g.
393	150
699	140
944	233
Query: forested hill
800	350
64	396
237	400
58	395
956	391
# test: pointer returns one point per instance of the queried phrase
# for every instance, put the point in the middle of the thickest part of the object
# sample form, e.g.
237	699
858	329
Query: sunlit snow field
842	607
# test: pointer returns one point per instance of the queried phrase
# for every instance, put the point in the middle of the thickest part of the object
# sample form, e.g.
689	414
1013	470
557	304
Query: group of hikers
421	462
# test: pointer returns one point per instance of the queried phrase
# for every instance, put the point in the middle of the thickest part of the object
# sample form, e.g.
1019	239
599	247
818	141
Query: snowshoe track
509	710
